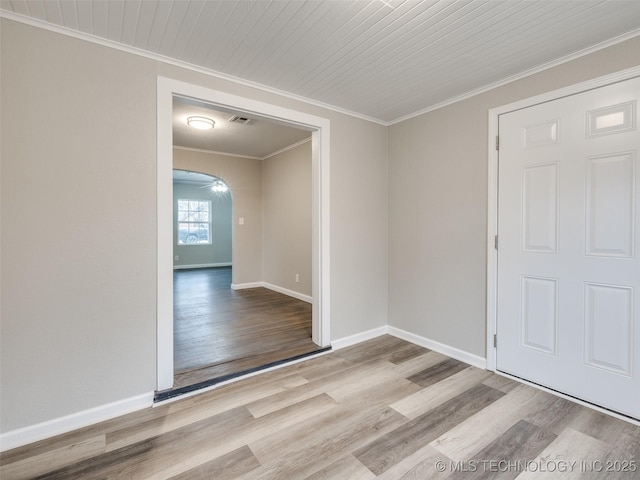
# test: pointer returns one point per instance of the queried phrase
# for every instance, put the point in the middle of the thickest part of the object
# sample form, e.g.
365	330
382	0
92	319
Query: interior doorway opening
319	130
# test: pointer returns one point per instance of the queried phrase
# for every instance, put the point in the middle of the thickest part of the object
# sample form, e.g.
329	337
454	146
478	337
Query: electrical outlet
177	257
297	278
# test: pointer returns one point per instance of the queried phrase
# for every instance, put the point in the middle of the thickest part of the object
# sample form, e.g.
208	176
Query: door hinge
495	341
495	242
498	142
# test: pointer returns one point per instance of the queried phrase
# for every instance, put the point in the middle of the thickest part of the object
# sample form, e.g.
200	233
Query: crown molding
203	150
35	22
282	150
521	75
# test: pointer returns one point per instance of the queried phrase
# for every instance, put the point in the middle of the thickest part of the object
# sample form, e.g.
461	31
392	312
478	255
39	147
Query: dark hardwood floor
384	409
219	331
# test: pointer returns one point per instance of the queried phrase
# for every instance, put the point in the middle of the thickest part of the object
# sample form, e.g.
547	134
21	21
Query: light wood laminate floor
384	409
219	331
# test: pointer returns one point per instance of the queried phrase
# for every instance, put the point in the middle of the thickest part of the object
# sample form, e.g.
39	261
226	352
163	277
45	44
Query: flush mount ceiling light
201	123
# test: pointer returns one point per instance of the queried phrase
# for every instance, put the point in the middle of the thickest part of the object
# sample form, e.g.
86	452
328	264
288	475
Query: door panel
568	268
608	327
540	208
539	299
609	217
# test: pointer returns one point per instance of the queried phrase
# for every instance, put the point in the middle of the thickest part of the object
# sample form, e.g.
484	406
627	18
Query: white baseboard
447	350
358	337
242	286
286	291
275	288
201	265
57	426
34	433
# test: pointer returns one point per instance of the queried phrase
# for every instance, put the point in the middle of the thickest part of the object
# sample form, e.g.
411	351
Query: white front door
568	304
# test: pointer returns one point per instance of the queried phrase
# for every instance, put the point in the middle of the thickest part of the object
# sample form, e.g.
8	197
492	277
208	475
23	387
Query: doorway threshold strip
176	392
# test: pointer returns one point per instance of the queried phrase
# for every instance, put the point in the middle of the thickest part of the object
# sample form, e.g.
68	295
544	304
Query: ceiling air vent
242	120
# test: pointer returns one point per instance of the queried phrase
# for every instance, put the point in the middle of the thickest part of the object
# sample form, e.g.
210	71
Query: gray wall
219	250
438	205
244	178
286	187
78	220
274	198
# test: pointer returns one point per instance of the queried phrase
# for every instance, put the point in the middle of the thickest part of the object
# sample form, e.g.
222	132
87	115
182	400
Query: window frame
188	222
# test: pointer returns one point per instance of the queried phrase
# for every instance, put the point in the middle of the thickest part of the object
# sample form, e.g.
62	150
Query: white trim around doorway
320	128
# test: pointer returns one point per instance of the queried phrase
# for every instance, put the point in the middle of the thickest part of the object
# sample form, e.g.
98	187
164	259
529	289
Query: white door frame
319	127
492	205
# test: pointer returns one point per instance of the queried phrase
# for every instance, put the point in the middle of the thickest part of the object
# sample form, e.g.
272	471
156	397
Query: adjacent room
224	327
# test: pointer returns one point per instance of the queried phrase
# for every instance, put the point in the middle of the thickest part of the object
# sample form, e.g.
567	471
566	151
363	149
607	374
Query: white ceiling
380	59
259	139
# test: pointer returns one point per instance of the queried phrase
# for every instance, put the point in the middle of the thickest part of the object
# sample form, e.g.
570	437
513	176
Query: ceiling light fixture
219	186
201	123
